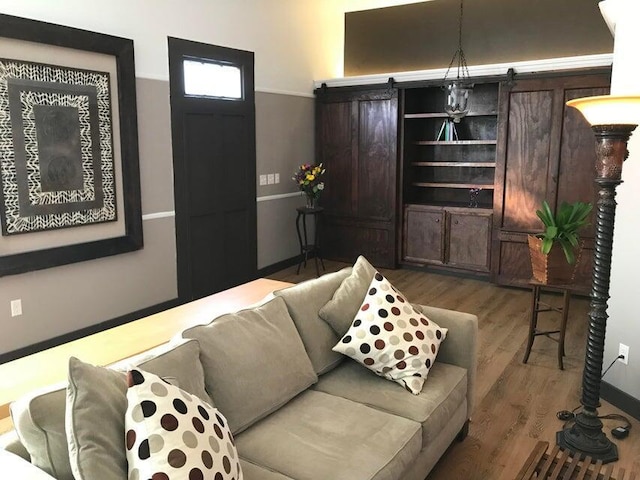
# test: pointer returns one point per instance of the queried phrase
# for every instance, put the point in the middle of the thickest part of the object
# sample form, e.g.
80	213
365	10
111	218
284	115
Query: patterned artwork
57	167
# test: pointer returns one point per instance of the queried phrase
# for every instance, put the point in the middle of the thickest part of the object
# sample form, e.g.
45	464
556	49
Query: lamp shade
609	109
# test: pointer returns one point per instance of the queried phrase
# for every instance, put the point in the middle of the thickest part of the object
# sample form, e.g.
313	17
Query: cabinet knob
455	222
437	220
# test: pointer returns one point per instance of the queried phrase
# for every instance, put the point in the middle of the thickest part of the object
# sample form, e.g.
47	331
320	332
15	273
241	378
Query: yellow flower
311	177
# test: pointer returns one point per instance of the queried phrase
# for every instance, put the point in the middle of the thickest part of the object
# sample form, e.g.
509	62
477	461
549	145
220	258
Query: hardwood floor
516	404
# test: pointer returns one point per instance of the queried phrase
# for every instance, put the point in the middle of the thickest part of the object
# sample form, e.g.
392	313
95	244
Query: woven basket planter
552	269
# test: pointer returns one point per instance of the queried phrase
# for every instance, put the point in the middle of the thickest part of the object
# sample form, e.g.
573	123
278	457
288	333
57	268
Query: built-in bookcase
442	168
448	178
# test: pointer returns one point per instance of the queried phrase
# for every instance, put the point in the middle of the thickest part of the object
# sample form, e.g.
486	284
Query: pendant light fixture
457	104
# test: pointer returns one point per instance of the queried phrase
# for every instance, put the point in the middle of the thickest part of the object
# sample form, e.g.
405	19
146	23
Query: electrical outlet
270	179
276	177
16	307
263	179
624	350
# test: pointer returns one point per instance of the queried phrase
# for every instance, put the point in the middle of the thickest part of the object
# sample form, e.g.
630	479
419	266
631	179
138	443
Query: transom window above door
206	78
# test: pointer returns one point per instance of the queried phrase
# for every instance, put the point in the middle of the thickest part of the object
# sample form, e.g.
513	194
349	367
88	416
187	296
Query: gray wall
59	300
284	140
425	35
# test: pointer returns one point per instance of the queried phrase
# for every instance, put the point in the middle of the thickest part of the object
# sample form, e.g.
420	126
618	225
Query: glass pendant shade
457	105
609	109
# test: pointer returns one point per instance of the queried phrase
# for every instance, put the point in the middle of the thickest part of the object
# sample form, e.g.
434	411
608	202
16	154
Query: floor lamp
612	119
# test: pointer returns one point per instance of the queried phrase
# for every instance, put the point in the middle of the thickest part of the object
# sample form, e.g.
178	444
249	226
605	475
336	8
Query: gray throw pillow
340	311
39	417
97	402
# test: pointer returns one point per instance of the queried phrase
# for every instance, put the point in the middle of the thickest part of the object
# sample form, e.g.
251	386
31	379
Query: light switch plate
270	179
277	177
263	179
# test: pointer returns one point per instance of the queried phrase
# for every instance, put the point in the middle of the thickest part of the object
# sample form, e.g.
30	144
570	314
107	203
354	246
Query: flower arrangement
309	180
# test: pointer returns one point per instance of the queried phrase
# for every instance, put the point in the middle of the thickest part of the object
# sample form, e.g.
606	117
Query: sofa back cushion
254	362
342	308
304	301
39	417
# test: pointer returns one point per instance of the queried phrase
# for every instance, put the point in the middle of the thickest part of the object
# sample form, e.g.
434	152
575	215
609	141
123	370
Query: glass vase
311	201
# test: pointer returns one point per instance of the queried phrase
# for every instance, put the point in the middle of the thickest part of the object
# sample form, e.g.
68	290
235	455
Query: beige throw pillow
342	308
391	338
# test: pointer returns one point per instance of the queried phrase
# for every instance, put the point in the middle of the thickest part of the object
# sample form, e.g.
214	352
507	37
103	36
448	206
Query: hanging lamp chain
459	54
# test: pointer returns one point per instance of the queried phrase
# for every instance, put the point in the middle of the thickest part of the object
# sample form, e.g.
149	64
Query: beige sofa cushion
254	362
251	471
340	311
304	301
442	394
318	436
39	417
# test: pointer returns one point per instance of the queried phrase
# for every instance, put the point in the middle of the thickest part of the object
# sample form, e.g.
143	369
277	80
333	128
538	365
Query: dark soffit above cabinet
424	35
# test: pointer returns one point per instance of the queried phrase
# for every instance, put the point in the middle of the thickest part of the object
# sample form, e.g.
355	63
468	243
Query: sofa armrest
461	345
20	468
9	441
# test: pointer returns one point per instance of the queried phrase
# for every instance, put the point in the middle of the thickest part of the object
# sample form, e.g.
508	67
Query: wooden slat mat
558	465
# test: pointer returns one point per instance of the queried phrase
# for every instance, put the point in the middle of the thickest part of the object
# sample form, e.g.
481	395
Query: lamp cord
567	416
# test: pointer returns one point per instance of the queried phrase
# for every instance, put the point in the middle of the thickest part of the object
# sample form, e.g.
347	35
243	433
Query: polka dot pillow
171	434
392	338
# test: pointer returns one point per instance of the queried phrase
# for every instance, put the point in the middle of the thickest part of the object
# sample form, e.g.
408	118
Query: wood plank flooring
516	404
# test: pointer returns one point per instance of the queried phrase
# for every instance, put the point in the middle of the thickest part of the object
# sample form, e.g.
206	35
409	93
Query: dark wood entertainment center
402	192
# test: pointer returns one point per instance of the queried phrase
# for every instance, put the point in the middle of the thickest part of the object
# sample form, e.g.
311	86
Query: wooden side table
307	248
538	306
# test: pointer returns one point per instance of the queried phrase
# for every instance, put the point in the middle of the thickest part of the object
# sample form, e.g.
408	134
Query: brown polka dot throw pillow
171	434
392	338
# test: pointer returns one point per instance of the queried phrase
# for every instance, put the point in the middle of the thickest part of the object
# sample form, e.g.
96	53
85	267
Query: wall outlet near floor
16	307
263	179
624	350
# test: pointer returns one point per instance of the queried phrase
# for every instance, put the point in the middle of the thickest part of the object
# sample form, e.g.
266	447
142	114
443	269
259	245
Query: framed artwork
69	172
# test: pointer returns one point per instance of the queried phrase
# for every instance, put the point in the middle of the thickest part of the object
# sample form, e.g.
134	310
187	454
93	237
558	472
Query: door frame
178	50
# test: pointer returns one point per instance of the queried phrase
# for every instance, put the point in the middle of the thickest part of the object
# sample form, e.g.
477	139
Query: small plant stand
538	306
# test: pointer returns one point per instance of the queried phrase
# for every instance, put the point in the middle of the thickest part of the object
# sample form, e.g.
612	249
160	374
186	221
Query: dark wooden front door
214	163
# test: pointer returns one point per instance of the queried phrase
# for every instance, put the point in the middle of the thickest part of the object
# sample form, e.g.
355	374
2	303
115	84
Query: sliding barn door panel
546	152
356	140
527	161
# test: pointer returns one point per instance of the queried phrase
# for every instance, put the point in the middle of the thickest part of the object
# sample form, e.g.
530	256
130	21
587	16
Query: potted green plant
554	252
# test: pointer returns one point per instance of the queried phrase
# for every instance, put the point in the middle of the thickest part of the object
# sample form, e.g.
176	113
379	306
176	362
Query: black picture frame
122	50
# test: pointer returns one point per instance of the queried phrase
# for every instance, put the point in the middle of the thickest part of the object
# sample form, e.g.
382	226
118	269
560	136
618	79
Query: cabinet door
356	139
545	152
423	235
468	242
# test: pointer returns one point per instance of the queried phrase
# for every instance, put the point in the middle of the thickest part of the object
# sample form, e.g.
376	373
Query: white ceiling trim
533	66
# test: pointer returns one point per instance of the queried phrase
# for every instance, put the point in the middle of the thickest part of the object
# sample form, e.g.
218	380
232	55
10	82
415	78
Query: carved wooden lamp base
612	119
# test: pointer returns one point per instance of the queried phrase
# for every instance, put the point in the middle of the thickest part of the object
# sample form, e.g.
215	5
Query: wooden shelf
452	185
444	115
454	206
455	164
456	142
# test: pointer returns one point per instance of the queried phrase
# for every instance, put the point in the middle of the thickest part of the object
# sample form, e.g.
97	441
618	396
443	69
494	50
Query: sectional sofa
297	408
